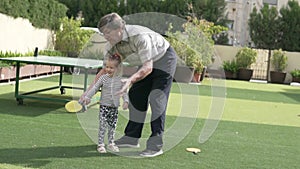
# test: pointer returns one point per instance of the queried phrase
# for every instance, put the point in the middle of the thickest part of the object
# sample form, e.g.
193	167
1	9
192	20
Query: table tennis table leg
62	90
85	79
19	100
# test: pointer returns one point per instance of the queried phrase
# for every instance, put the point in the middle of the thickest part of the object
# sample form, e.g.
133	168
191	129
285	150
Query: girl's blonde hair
115	57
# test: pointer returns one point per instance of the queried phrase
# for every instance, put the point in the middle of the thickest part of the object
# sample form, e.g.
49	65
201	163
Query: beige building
238	12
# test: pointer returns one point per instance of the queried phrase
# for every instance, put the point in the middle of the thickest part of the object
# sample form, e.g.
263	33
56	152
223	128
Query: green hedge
17	54
51	53
10	54
41	13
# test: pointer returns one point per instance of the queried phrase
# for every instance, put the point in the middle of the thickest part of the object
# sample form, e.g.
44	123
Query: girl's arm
93	89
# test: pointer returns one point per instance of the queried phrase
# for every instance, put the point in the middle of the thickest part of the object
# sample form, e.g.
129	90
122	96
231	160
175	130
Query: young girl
110	83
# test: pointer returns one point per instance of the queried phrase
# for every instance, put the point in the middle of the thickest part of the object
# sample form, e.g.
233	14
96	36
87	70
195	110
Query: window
230	24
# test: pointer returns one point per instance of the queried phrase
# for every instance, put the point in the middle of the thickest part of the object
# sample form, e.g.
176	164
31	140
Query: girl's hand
84	100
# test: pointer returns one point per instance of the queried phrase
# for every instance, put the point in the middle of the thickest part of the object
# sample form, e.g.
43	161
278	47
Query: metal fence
261	65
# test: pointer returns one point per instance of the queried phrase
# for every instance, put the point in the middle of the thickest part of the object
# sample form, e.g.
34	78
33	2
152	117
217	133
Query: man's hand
126	85
125	105
144	71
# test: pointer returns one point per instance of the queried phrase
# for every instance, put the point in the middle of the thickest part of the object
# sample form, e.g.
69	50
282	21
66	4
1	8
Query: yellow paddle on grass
74	106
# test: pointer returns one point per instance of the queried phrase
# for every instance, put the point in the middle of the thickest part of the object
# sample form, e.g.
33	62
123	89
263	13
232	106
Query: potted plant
230	68
279	62
194	49
70	39
244	58
295	75
199	71
185	64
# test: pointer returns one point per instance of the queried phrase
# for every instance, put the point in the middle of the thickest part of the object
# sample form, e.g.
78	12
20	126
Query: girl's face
113	36
111	67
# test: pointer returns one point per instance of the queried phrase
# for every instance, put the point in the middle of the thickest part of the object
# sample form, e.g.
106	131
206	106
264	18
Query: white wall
225	53
18	35
229	52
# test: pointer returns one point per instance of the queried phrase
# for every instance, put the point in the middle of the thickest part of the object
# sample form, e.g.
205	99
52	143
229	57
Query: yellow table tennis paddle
193	150
73	106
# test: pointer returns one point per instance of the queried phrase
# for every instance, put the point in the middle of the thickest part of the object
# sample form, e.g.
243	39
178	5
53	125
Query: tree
264	29
176	7
70	39
41	13
210	10
217	31
73	7
290	26
92	10
195	44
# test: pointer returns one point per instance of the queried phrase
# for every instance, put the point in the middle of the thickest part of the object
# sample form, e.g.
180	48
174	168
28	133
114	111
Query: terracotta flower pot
196	77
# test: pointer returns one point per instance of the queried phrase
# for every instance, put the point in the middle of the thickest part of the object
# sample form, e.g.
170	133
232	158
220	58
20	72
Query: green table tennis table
83	64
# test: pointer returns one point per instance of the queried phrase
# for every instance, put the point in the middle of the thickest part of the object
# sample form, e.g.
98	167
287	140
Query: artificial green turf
260	128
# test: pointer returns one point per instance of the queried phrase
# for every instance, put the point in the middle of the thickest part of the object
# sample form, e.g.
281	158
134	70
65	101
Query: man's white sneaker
127	142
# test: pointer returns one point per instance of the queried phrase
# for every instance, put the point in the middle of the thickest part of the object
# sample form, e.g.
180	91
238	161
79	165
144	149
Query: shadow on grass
292	96
292	93
30	107
68	78
37	157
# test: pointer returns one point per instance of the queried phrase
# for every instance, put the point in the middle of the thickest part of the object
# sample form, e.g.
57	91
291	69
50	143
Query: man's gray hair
111	21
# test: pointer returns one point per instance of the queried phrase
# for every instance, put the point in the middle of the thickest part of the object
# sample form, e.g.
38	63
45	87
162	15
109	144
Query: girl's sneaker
113	147
101	148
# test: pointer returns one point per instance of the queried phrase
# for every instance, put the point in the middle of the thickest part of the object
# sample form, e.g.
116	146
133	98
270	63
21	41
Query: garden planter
7	73
184	74
230	75
295	79
42	69
245	74
55	69
215	73
26	71
277	77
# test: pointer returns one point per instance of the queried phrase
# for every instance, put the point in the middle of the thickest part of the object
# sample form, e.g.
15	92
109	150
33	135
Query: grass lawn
259	127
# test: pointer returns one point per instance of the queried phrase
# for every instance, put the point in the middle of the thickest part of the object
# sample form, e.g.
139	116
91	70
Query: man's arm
144	71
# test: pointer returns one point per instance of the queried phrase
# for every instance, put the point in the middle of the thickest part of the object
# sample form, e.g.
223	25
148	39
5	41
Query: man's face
113	36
